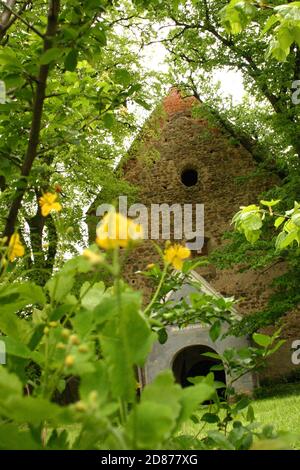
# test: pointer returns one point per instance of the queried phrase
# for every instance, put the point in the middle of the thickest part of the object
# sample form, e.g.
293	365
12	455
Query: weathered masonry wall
225	181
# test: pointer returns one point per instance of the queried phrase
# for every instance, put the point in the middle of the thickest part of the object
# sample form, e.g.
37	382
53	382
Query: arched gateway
183	351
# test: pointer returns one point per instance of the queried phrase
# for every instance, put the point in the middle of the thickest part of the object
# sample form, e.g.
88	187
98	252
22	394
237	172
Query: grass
277	405
282	410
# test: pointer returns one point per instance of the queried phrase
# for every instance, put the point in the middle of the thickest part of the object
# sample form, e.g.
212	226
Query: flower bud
150	266
93	396
65	333
69	361
74	340
83	348
80	406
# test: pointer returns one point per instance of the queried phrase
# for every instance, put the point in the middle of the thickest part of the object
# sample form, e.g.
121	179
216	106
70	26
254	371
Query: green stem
158	289
117	272
46	366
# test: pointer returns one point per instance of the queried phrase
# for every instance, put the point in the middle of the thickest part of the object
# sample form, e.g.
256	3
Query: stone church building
179	158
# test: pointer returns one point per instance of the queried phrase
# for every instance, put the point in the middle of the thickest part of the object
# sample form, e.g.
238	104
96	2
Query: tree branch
18	16
53	12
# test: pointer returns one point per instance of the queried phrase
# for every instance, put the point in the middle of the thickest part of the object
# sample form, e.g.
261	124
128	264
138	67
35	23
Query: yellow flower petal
93	257
15	247
183	252
175	254
115	230
48	203
177	263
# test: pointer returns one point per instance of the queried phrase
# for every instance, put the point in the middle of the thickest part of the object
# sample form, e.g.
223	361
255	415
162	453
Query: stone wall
226	181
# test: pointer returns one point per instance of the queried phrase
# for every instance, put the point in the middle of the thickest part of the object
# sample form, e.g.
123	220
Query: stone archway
190	362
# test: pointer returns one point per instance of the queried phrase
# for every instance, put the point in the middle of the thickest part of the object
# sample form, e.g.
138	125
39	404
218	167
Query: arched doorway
190	362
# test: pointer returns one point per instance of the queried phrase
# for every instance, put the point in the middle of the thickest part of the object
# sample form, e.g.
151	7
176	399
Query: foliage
249	220
100	335
283	24
92	90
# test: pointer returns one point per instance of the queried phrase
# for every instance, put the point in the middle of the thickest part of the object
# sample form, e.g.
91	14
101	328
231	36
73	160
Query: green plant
100	335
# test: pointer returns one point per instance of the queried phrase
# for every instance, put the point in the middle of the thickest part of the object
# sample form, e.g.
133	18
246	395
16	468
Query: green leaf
289	12
285	239
250	414
243	403
192	397
123	77
106	309
262	340
60	285
50	55
162	335
29	409
215	330
285	37
271	21
220	441
13	437
143	103
17	296
13	298
279	221
9	384
212	355
210	418
91	296
18	349
275	49
154	419
108	120
99	34
296	219
126	341
95	381
270	203
150	425
71	60
252	235
83	322
9	58
163	381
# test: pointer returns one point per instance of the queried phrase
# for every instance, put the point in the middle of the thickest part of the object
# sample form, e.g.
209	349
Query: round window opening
189	177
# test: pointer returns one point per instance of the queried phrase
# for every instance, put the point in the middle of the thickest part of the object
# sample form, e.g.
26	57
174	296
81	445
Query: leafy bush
100	335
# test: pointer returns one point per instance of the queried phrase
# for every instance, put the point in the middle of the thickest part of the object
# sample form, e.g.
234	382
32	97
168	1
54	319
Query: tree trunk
33	142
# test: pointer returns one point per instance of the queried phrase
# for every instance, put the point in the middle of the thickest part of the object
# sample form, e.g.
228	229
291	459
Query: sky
154	58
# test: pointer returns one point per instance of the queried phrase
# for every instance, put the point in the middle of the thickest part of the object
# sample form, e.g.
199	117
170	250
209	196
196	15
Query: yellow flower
15	247
48	203
175	254
116	230
93	257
